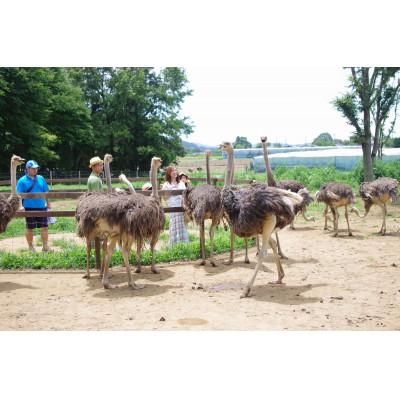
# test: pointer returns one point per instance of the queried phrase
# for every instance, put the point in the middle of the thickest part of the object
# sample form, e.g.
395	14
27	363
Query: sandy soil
346	283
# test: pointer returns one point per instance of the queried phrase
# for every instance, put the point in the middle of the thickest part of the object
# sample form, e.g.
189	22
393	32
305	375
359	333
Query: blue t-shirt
24	183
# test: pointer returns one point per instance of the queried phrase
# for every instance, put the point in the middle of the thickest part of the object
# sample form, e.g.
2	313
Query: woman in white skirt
177	228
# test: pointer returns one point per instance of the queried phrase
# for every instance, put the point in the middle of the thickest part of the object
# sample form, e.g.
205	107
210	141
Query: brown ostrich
258	210
292	185
296	187
379	192
336	195
83	203
9	206
203	202
126	218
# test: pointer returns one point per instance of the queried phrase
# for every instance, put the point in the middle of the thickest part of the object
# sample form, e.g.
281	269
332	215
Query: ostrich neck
270	177
108	176
13	171
229	170
208	169
153	180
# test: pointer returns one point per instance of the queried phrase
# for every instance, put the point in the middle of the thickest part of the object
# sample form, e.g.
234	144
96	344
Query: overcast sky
289	105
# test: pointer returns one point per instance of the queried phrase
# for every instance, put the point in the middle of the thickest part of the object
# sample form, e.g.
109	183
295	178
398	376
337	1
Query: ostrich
258	210
84	202
204	202
378	192
295	186
125	218
292	185
9	206
142	219
336	195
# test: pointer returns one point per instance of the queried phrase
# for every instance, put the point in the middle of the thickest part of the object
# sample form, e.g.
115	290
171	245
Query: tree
366	106
324	139
136	113
241	142
43	116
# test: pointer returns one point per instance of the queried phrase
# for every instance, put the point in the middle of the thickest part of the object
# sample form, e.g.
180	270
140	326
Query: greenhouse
340	158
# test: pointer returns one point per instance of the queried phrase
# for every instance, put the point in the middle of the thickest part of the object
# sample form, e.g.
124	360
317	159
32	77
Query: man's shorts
36	222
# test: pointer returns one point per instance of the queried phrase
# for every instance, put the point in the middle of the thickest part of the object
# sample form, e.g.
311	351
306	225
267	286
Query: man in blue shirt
31	182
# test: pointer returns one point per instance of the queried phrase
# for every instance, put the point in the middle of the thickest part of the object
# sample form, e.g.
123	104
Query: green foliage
389	169
63	116
324	139
73	256
241	142
17	227
43	116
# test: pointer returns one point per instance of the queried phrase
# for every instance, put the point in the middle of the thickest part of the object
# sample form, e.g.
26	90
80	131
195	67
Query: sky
287	104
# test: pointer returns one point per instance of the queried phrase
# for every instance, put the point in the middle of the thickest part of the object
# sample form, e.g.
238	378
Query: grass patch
73	256
17	227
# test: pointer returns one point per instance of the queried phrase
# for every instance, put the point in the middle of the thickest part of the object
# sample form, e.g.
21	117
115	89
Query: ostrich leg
212	230
88	250
269	226
104	251
326	217
126	249
335	221
202	244
139	245
153	242
246	249
384	212
308	219
110	248
278	263
346	214
230	261
279	247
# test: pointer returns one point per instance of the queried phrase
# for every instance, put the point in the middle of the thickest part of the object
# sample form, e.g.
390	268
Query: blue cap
31	164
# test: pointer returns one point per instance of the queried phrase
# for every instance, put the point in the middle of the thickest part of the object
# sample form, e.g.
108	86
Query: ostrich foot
229	262
246	292
86	276
277	282
213	263
154	269
202	262
350	233
292	228
335	234
135	286
138	270
108	285
382	231
283	257
246	260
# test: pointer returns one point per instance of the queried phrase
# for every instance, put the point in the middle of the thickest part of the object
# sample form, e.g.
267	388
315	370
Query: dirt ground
343	283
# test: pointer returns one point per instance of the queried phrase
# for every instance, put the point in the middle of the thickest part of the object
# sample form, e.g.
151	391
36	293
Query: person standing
177	228
95	183
31	182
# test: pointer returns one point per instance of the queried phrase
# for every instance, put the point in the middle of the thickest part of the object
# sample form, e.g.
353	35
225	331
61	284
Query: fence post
137	172
79	175
214	181
51	179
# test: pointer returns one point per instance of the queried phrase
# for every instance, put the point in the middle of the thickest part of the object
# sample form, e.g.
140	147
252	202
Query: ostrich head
227	147
263	139
156	162
108	158
16	160
207	153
